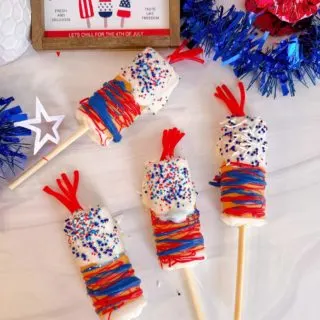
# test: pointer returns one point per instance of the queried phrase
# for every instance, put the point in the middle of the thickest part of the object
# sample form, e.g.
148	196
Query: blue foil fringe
12	148
229	35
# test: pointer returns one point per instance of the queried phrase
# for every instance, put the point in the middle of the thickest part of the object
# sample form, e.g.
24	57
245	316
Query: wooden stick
196	301
42	162
106	23
88	23
122	23
240	273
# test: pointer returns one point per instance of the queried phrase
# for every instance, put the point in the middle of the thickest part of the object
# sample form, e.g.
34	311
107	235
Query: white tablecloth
38	280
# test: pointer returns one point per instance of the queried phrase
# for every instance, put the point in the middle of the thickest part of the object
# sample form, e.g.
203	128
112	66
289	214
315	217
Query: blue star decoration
42	118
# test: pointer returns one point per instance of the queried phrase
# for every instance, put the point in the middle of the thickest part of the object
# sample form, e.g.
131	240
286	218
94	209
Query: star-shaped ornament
39	124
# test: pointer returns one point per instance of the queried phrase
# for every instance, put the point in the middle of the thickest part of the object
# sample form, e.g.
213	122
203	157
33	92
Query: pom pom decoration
11	146
230	35
266	21
290	11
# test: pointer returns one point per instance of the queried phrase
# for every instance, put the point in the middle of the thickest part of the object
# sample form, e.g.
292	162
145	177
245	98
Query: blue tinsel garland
230	36
11	146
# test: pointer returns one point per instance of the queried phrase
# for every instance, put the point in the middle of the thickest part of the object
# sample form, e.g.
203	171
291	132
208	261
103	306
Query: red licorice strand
170	139
189	54
70	189
236	108
68	197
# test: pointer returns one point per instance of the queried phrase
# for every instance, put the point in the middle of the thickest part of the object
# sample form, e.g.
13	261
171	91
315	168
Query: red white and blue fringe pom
12	148
230	35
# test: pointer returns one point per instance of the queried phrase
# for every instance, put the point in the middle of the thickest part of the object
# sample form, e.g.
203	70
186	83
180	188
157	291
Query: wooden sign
85	24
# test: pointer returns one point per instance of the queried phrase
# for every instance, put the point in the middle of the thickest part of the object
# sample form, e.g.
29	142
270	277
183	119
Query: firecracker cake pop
145	85
242	147
95	242
169	195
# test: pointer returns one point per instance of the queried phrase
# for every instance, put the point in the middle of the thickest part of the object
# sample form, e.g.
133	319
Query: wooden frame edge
39	42
175	23
37	24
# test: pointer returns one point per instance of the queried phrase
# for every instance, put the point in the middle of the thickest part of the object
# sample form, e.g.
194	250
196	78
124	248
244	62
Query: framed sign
85	24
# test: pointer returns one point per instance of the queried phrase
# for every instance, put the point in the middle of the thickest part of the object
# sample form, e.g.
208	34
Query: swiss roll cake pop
144	86
105	8
242	148
96	246
170	196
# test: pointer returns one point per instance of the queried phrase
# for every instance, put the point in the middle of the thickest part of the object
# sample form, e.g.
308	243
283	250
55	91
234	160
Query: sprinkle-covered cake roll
145	85
170	197
97	248
152	79
242	147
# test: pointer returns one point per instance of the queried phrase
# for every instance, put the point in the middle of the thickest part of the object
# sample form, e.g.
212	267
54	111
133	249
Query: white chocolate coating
101	137
152	78
168	190
93	237
233	221
129	311
243	139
